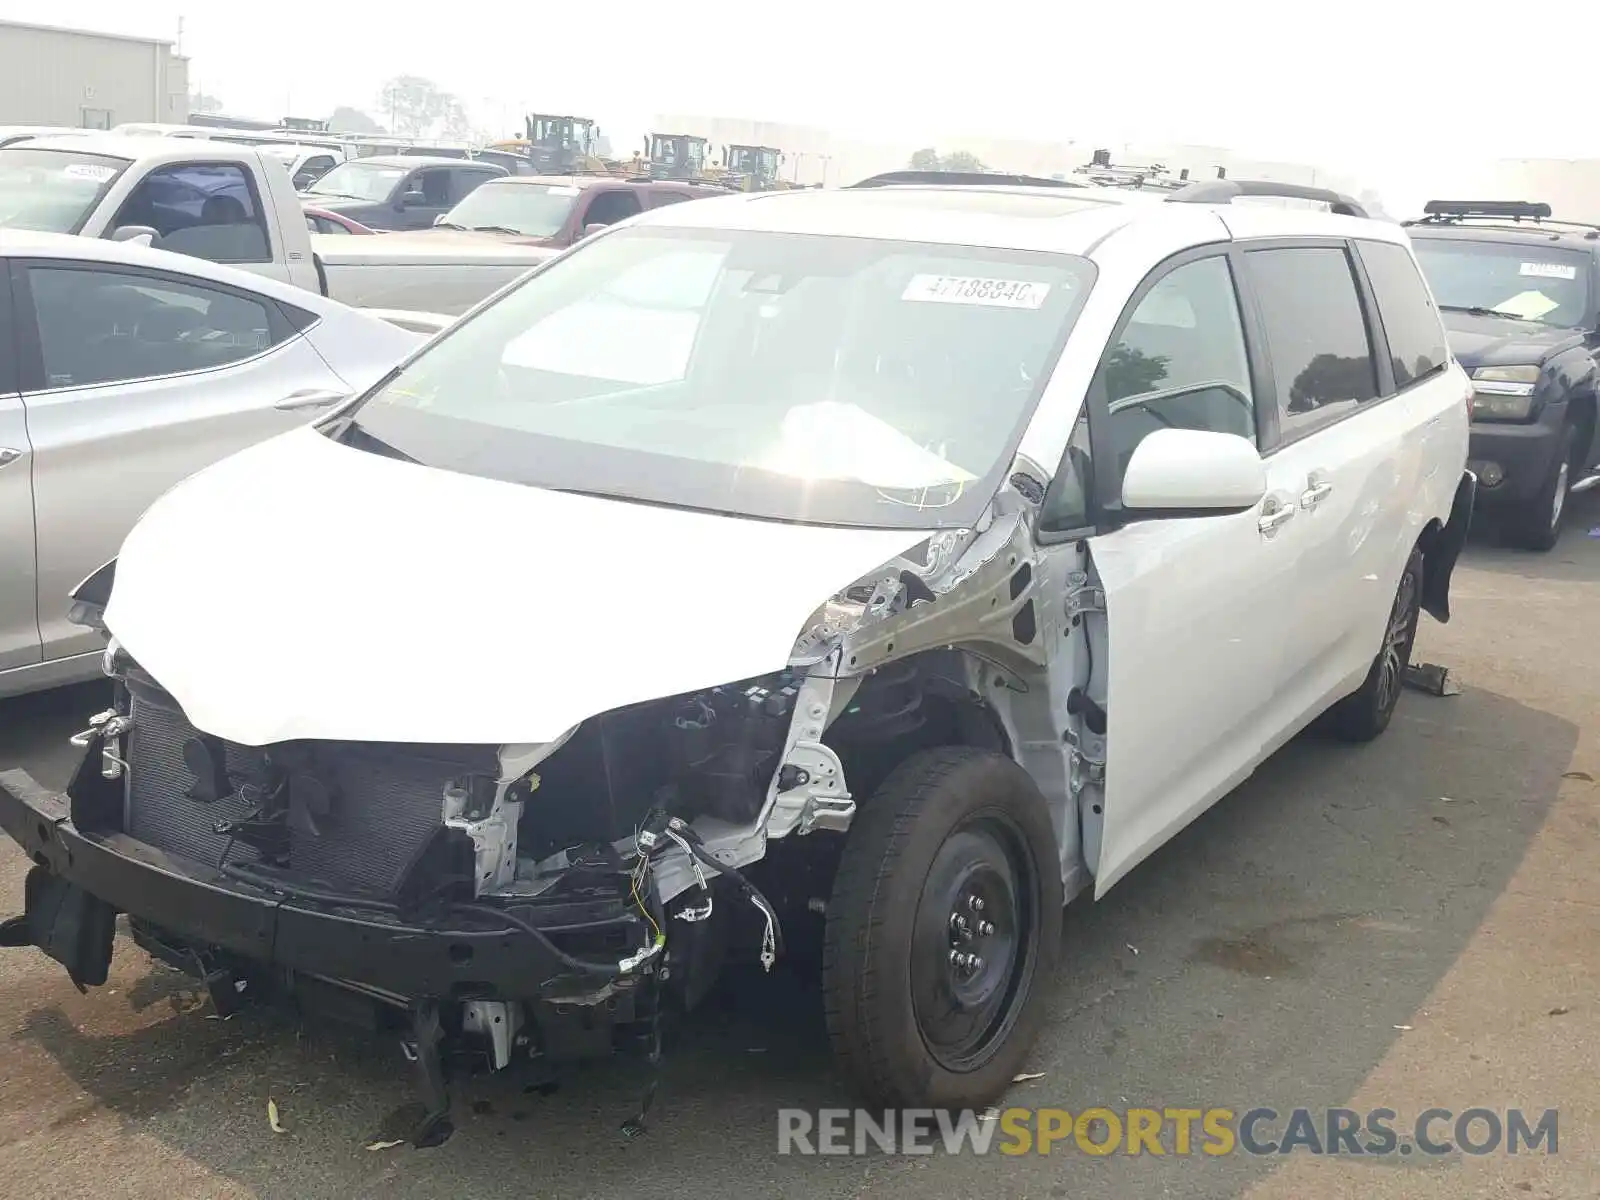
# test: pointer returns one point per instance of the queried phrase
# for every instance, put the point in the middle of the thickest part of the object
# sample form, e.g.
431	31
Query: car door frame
1377	339
260	221
1104	815
592	194
1106	501
31	374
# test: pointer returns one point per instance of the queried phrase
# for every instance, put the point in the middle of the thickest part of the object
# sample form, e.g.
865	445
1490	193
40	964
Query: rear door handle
1270	521
1315	494
8	456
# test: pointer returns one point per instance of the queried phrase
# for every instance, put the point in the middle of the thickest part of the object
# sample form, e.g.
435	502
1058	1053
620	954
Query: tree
200	102
414	105
929	159
457	126
352	120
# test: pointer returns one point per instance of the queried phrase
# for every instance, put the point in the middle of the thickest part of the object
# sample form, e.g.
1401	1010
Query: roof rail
1223	191
961	178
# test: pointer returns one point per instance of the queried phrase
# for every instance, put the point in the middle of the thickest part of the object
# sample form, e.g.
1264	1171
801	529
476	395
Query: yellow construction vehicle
559	145
754	168
677	156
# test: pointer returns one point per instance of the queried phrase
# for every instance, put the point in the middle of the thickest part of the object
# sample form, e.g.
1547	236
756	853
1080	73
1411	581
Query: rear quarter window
1417	346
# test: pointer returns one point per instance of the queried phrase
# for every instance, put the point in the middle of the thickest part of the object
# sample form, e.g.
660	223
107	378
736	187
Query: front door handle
1315	494
310	398
1271	520
8	456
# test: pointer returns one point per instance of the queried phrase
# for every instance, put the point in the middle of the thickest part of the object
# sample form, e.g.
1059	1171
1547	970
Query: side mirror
1193	472
142	234
413	200
591	230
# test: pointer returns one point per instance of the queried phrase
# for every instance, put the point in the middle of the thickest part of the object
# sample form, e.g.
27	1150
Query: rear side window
607	208
1316	335
101	325
1410	321
468	181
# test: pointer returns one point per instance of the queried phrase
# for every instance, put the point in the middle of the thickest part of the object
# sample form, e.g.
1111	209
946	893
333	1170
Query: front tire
1365	713
943	931
1537	524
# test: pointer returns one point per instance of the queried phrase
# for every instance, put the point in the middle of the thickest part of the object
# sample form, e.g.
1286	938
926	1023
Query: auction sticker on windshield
968	289
1550	270
91	171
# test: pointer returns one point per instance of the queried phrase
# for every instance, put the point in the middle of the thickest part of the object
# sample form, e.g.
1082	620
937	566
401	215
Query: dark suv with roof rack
1520	296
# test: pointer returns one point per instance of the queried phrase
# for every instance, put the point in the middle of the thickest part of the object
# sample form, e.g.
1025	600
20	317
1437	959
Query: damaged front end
528	902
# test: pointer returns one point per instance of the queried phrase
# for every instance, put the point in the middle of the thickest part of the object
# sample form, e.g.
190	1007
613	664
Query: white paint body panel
365	598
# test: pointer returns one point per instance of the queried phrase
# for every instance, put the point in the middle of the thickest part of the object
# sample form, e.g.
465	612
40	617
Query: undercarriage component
425	1048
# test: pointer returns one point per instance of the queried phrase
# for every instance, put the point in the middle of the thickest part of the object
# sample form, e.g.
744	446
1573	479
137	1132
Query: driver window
206	210
1180	361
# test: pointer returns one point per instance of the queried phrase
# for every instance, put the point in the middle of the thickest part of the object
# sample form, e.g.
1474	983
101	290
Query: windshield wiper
499	229
1479	311
449	225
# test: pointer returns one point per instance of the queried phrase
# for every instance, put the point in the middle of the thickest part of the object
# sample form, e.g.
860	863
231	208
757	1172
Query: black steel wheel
943	931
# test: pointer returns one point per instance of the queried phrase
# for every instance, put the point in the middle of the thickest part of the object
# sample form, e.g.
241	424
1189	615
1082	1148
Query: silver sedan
123	370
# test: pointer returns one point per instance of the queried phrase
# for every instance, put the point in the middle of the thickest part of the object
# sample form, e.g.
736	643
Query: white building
72	77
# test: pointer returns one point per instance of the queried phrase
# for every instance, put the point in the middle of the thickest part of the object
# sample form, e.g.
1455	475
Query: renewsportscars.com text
1211	1132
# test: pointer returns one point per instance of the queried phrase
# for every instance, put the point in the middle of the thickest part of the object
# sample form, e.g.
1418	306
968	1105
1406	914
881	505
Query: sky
1395	82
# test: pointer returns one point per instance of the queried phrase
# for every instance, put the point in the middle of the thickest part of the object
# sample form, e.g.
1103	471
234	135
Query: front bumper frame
82	879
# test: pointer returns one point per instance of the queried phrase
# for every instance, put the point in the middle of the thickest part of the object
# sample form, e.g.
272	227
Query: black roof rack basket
1225	191
1504	213
1441	211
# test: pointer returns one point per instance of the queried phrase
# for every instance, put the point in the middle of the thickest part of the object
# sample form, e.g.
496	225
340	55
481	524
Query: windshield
832	380
53	191
359	181
534	209
1526	280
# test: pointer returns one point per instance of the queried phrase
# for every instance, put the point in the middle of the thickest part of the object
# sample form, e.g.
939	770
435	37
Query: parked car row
966	471
235	204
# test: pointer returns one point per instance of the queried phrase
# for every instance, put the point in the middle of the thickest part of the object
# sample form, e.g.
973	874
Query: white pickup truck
237	205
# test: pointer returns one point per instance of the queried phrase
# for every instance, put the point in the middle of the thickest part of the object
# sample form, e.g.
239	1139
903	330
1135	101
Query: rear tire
1365	712
1537	524
943	931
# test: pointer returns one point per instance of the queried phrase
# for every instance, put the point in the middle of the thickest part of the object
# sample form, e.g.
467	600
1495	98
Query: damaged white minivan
885	565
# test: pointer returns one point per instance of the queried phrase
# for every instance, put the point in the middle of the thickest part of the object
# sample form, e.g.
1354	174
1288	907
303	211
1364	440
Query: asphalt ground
1409	925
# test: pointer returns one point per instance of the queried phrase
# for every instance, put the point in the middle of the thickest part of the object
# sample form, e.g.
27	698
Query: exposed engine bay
547	901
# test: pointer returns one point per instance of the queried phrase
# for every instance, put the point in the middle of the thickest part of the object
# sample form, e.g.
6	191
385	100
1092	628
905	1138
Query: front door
1195	607
137	379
